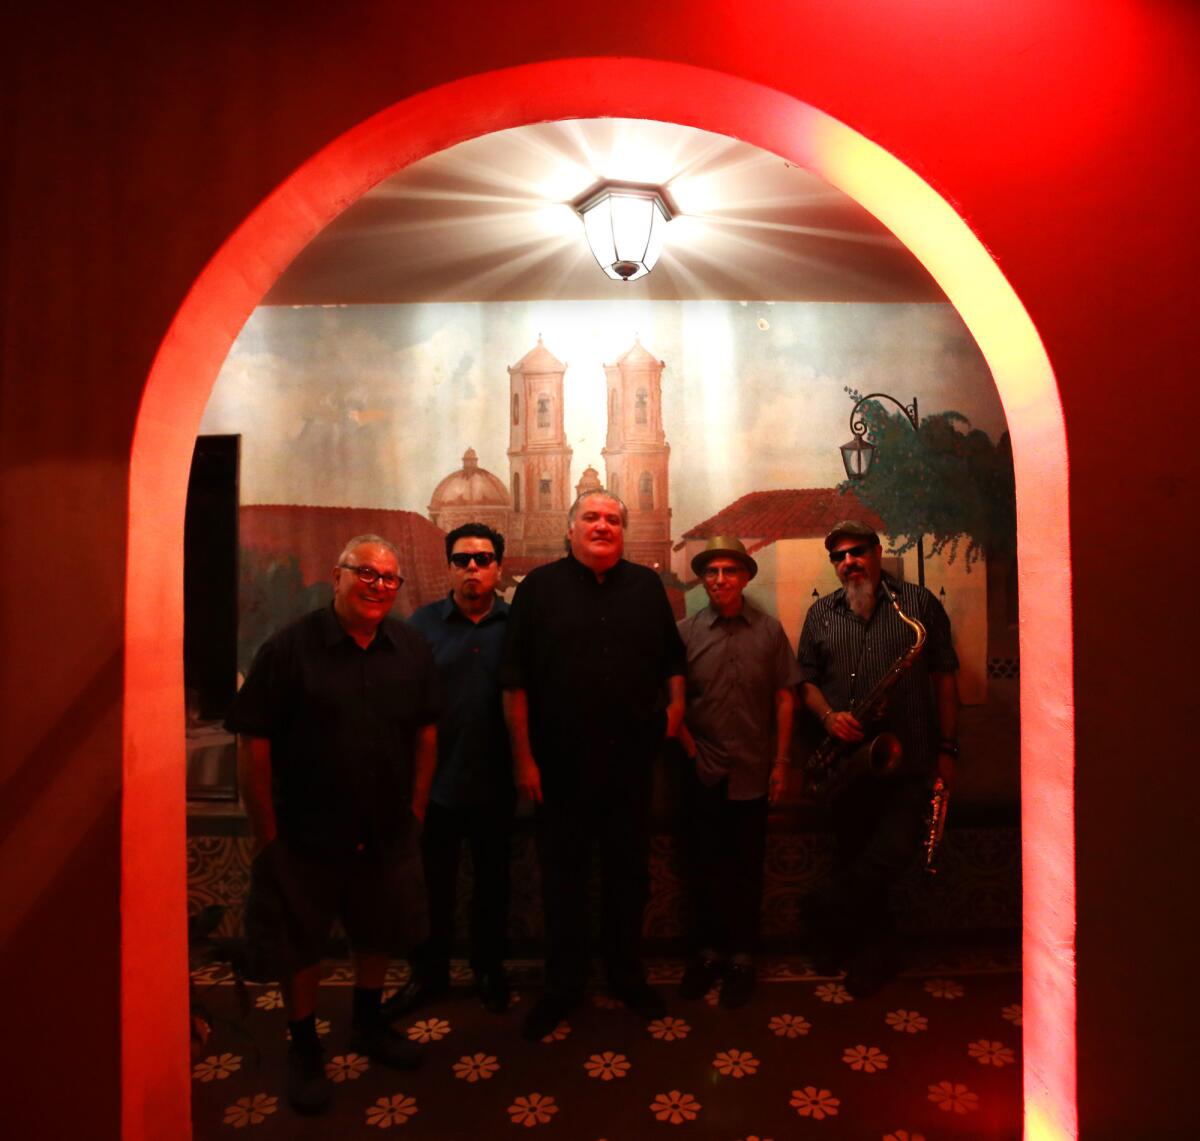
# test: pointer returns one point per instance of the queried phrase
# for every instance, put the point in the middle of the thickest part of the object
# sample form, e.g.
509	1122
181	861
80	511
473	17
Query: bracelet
827	714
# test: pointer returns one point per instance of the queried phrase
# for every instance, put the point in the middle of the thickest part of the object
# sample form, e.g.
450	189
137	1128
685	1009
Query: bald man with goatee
851	640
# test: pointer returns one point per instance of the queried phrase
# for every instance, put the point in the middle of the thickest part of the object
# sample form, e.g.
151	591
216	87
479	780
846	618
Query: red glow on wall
155	1063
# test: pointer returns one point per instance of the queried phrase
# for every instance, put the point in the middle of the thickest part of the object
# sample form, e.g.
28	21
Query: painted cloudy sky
370	406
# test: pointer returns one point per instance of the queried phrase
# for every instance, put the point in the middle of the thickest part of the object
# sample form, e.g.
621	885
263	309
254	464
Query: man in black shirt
336	749
851	639
472	798
593	680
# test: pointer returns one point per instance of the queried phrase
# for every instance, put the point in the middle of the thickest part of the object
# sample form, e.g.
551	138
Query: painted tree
946	482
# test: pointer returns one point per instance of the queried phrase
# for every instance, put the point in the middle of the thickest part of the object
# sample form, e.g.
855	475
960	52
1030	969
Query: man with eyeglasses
472	799
337	743
593	683
737	732
851	639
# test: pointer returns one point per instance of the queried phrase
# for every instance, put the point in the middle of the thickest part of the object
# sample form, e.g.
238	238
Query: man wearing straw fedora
737	731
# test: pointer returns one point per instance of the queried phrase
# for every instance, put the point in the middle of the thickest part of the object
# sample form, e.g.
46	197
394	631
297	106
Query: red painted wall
136	143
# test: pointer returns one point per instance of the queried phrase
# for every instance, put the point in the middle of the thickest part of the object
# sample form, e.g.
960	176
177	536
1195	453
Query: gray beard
860	597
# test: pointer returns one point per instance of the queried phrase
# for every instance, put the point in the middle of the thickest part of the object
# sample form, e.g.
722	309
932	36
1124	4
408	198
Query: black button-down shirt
474	762
594	658
342	722
845	657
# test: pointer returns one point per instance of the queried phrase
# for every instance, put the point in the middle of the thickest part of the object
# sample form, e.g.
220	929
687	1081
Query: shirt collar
747	615
332	630
586	571
449	611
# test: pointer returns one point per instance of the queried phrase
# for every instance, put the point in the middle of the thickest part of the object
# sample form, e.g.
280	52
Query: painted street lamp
859	452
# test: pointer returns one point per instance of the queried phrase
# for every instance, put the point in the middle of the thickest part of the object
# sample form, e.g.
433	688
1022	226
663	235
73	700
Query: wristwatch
949	747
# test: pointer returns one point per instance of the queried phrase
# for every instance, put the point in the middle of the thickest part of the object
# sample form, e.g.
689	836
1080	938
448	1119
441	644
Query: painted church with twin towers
530	510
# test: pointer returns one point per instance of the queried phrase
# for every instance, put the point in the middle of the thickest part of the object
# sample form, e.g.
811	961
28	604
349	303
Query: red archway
154	1047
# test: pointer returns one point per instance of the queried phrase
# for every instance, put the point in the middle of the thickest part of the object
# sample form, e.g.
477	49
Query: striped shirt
845	657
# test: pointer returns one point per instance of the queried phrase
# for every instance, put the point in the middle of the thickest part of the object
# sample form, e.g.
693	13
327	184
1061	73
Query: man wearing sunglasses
472	799
337	743
851	639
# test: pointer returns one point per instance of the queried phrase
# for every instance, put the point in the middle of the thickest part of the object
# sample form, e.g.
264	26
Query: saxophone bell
876	756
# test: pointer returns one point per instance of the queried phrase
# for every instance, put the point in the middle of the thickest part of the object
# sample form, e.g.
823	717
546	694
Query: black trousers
615	821
878	826
723	843
485	832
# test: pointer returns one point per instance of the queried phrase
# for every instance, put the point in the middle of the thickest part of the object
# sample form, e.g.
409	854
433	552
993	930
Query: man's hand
688	742
527	778
676	707
844	726
947	768
779	776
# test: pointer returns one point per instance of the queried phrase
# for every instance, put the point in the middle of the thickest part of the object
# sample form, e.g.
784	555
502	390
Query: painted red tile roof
316	535
796	513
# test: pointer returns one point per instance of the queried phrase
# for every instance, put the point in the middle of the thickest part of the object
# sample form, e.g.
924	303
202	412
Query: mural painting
705	417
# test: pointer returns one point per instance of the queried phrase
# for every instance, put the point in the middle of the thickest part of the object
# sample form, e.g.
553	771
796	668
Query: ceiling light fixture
624	224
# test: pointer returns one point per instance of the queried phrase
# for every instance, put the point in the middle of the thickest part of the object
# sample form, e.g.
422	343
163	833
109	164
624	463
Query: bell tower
538	456
636	455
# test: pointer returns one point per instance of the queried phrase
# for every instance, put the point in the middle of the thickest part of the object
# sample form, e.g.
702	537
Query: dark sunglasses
463	559
836	557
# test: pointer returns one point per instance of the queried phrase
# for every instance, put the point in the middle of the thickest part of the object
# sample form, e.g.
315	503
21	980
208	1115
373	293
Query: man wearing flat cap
851	640
740	680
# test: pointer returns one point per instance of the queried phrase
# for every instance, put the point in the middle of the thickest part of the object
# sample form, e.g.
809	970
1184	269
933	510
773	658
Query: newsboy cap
852	528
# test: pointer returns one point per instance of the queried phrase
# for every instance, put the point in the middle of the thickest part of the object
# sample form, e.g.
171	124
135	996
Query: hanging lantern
857	456
624	227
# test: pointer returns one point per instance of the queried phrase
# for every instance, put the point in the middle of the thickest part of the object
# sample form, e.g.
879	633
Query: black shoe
543	1017
738	985
870	971
699	977
494	990
309	1091
414	994
827	961
383	1045
642	999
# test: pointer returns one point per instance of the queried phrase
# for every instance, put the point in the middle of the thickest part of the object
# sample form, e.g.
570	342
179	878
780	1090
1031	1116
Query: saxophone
834	762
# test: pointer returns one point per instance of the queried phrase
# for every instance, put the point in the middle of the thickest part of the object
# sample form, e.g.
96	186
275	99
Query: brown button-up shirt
735	666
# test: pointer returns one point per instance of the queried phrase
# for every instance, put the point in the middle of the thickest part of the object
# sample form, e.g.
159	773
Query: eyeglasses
463	559
369	576
714	573
836	557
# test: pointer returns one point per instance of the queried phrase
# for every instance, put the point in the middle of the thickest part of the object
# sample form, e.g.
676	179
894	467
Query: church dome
589	482
470	486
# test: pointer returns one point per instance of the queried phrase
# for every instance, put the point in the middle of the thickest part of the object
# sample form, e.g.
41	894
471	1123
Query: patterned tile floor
935	1055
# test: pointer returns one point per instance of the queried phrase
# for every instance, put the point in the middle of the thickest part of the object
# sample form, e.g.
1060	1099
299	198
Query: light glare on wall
625	227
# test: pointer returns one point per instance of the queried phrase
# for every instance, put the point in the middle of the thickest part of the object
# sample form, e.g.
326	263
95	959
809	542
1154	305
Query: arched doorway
153	969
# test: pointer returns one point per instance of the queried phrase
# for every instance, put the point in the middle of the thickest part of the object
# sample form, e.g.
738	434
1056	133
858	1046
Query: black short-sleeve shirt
342	722
845	657
593	657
